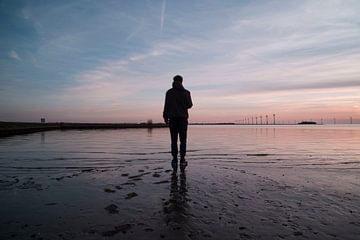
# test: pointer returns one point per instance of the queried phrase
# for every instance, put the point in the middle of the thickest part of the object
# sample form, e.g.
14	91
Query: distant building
42	120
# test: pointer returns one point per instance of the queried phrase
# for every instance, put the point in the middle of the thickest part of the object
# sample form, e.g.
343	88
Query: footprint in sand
160	182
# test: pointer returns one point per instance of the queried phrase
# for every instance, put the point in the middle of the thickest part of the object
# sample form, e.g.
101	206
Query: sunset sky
112	61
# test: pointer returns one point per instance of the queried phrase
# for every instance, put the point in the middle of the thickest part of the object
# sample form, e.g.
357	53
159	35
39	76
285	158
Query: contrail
162	17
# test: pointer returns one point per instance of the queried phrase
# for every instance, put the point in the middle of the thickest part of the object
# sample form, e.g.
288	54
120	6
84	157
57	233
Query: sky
113	61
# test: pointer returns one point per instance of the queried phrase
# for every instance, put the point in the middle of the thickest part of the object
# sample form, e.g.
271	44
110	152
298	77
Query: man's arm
189	101
166	104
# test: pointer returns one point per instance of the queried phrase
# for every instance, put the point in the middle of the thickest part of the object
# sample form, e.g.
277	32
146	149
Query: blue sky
112	61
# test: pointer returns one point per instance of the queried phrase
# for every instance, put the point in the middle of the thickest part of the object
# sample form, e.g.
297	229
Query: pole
274	118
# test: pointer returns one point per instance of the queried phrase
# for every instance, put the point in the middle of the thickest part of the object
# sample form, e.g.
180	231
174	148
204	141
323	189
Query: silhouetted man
177	103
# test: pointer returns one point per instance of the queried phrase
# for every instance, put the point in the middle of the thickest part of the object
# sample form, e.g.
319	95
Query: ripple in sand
120	228
257	154
51	204
160	182
139	175
131	195
129	183
30	185
108	190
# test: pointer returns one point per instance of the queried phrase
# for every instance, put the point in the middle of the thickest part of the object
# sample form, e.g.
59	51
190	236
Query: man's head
178	78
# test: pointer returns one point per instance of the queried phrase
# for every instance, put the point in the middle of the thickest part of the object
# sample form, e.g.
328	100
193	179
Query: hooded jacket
177	102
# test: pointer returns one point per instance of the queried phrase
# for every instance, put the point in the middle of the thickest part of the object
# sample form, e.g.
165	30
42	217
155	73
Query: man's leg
174	136
183	135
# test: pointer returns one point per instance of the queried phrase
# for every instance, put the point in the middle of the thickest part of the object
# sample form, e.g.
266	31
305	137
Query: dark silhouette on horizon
177	102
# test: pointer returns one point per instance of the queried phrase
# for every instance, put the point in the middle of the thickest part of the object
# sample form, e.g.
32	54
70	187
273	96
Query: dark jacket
177	102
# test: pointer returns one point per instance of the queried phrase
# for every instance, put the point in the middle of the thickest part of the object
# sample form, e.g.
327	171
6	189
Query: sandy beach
137	196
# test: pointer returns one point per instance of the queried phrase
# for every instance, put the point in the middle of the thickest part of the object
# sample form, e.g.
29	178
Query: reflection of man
176	208
177	102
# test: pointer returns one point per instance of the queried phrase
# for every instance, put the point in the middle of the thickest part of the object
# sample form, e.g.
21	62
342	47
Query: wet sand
241	183
208	201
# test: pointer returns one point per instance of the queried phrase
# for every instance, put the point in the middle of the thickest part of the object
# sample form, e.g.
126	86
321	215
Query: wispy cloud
13	54
258	63
162	17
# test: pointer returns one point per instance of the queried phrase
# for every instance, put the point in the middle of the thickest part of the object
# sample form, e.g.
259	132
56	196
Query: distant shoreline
14	128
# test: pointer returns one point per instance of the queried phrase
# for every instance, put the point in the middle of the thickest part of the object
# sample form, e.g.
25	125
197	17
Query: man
177	103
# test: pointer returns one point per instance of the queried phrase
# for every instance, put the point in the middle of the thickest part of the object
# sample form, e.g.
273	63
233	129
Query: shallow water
257	181
335	147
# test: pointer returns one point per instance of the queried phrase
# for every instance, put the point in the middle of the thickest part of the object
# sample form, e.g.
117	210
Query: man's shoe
183	165
174	164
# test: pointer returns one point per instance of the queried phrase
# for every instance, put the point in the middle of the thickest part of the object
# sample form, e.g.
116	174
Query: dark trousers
178	127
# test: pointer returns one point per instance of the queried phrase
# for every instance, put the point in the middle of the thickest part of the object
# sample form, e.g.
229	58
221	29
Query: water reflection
42	137
176	208
150	130
274	133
